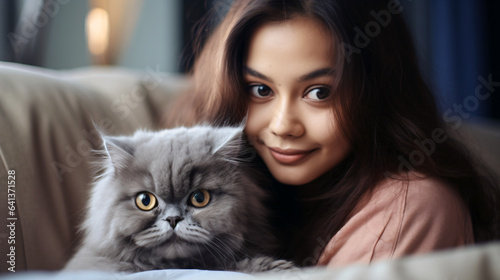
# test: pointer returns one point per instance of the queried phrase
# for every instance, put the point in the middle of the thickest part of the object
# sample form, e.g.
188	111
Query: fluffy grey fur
229	233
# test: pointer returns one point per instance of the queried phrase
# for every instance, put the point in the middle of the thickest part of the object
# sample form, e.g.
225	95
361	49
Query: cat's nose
174	220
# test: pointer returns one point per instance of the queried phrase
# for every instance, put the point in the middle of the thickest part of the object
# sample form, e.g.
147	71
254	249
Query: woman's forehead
297	46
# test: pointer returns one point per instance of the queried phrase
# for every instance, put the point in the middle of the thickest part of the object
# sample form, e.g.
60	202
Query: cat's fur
230	233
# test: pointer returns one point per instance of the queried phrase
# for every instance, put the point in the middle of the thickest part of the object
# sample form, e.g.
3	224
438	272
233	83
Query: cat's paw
261	264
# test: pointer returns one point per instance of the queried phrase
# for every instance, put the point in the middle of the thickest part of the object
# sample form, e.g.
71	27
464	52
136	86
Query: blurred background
458	41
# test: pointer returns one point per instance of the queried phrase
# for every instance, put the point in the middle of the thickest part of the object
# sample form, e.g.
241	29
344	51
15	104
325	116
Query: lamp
109	25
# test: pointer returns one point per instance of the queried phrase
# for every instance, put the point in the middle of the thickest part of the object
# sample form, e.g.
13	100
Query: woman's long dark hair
384	108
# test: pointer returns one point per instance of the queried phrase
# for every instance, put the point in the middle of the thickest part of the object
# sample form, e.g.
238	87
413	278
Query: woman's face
289	72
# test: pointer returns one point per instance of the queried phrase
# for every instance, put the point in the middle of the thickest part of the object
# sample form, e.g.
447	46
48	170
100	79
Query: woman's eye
260	90
319	93
199	198
146	201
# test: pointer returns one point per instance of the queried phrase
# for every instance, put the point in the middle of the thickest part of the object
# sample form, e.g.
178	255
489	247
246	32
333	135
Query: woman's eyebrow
314	74
254	73
317	73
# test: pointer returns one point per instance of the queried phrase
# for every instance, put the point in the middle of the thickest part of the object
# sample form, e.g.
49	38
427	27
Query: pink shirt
399	219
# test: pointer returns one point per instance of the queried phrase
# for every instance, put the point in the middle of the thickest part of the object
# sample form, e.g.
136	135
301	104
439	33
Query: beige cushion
46	131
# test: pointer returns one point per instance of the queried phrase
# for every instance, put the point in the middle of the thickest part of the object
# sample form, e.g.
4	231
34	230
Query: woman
344	123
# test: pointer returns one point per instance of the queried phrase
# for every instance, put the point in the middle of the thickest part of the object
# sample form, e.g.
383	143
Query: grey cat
177	198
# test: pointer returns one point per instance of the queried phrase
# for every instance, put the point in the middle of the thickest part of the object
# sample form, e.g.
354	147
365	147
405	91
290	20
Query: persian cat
177	198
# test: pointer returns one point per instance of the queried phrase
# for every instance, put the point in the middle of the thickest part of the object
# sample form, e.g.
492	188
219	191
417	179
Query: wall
155	42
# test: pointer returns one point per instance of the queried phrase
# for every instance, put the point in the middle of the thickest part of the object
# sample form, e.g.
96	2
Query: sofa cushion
46	137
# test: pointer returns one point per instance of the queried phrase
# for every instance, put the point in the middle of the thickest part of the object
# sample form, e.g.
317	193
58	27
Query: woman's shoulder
416	195
422	206
418	189
401	217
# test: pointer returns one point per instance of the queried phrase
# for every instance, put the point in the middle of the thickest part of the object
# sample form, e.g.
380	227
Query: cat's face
173	194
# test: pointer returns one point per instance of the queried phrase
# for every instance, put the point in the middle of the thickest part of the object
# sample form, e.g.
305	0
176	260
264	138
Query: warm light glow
97	28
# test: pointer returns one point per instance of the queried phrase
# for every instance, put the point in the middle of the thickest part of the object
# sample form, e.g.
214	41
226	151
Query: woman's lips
289	156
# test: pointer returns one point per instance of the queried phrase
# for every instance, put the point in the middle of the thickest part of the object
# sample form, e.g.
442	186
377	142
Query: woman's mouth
289	156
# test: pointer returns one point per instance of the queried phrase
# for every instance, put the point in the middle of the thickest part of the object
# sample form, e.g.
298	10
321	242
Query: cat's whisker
213	250
201	256
224	243
229	250
232	244
197	234
218	250
236	248
238	237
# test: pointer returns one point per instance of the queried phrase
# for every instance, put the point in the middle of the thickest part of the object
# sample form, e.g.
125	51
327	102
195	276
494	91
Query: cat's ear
118	150
233	146
227	139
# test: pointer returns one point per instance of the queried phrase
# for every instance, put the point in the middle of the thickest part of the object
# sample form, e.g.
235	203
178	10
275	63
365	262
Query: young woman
344	123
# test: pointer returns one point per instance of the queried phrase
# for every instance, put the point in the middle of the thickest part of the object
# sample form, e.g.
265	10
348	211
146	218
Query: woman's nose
285	121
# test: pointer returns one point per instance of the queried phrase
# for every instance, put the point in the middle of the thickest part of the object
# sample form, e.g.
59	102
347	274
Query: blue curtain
458	50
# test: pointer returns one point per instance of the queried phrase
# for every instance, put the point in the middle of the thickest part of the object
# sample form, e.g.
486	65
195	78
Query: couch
46	136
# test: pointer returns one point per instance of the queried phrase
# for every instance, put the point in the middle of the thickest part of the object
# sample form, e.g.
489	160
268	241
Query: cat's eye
199	198
146	201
